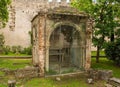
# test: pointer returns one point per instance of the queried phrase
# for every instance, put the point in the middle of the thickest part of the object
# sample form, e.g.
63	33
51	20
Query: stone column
41	43
47	56
88	45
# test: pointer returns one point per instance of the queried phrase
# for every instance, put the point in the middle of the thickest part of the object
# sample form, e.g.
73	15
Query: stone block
100	74
115	82
108	85
90	81
93	74
27	72
105	74
11	83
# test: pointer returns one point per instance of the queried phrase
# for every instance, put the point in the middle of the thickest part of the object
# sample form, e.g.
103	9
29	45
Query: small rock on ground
108	85
58	79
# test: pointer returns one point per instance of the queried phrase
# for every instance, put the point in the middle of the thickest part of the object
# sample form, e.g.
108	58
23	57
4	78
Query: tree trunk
98	54
112	37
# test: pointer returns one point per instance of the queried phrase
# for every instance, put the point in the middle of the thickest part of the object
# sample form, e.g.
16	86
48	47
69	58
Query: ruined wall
21	14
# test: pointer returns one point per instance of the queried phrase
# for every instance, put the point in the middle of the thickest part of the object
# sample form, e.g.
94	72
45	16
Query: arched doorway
65	50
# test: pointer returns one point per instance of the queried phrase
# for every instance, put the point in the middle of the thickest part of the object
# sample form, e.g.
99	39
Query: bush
112	51
13	49
6	49
27	50
1	43
19	49
16	49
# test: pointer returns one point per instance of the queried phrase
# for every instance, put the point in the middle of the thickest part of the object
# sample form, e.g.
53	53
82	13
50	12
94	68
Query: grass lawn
72	81
13	54
76	81
69	81
102	53
107	65
14	63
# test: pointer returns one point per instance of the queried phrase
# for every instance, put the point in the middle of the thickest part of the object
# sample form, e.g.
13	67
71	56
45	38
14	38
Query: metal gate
65	51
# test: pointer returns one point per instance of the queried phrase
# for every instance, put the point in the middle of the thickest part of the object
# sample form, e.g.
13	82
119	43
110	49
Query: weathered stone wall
21	14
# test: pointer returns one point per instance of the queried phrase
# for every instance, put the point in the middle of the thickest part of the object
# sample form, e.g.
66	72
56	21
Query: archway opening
65	51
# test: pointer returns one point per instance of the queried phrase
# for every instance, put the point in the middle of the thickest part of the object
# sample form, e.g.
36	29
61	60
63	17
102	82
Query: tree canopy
4	12
106	14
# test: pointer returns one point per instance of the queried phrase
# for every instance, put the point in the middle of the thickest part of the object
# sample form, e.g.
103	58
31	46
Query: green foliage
4	12
83	5
105	14
14	49
1	43
27	50
2	40
20	50
31	36
112	51
6	50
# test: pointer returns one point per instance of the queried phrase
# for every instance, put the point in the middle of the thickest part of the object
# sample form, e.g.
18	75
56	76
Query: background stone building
21	14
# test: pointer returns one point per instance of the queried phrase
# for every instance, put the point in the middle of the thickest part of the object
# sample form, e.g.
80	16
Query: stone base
99	74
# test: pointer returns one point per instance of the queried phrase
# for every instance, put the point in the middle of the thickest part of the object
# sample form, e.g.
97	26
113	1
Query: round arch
68	24
55	26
